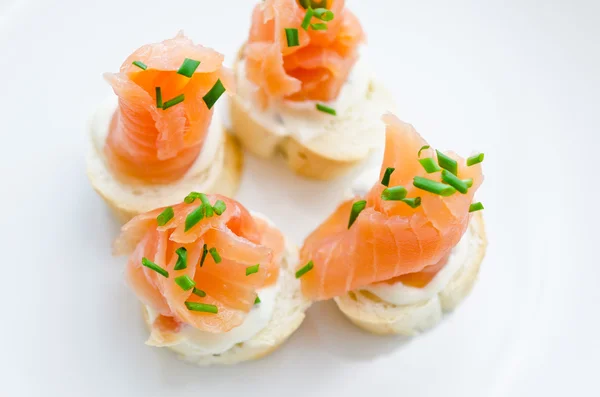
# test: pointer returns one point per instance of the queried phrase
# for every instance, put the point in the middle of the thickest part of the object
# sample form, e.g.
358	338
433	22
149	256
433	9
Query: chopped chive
455	182
219	207
385	181
214	94
155	267
469	182
475	207
172	102
257	300
323	14
291	35
326	109
412	202
433	187
165	216
182	258
198	292
395	193
318	26
194	217
423	148
201	307
204	253
140	65
204	198
447	163
190	198
305	269
159	102
429	165
215	255
252	269
475	159
307	17
209	211
188	67
185	282
356	210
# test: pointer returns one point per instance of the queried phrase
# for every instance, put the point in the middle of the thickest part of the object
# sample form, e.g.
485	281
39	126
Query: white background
518	80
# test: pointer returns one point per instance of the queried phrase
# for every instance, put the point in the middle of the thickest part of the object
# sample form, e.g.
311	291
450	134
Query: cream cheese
303	121
400	294
193	342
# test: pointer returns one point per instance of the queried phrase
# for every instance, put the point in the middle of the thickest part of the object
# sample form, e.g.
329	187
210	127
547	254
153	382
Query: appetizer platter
283	197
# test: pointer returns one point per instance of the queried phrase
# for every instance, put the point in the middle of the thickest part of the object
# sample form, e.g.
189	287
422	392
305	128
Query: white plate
518	80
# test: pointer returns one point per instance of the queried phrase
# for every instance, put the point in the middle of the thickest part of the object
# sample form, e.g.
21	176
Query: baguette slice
288	314
128	199
344	142
372	314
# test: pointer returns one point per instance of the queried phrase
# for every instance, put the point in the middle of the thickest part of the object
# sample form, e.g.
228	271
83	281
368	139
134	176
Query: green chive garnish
291	34
447	163
190	198
423	148
201	307
454	181
215	255
219	207
252	269
475	207
214	94
140	65
412	202
159	102
307	17
475	159
165	216
257	300
356	209
318	26
182	258
172	102
204	253
194	217
185	282
433	187
323	14
469	182
155	267
199	292
188	67
326	109
429	165
209	211
385	181
305	269
395	193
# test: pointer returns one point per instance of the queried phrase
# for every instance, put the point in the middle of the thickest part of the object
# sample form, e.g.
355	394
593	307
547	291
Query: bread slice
344	141
372	314
288	314
128	199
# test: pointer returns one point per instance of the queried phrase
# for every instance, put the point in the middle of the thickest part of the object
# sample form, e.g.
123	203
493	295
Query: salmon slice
240	240
158	145
389	240
317	68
